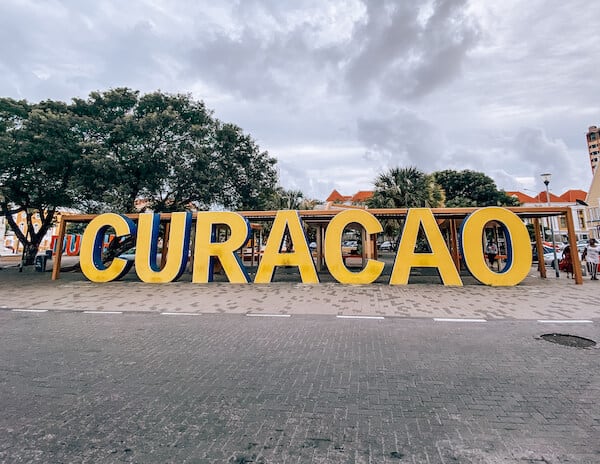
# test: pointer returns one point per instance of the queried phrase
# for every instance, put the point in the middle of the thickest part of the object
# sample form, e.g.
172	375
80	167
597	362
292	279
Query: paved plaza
534	298
132	372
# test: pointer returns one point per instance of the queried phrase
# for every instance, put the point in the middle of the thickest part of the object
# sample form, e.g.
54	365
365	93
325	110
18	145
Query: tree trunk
30	251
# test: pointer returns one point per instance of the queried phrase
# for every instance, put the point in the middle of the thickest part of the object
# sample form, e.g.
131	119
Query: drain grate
569	340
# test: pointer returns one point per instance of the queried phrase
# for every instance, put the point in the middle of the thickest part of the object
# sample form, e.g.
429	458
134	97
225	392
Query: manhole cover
569	340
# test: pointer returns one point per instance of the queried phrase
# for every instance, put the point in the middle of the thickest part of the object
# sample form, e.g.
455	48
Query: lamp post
546	179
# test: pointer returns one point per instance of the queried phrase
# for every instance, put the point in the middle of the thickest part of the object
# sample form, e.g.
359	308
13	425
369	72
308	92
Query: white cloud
339	90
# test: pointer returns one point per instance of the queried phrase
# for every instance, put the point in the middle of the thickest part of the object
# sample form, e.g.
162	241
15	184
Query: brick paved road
150	388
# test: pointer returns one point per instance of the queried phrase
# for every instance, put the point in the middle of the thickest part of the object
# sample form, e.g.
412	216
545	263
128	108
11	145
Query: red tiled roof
361	196
522	197
337	196
572	196
542	198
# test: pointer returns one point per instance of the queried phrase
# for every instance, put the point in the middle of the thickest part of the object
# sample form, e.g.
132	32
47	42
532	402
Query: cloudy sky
338	91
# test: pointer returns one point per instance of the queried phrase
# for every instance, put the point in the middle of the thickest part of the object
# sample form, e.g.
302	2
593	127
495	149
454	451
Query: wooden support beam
540	248
62	228
165	246
573	246
454	244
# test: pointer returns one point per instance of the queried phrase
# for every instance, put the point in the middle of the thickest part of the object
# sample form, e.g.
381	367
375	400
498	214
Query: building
586	225
574	200
593	201
593	144
9	244
6	238
360	198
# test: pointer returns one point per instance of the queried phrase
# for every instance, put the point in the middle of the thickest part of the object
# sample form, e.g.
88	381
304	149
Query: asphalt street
230	388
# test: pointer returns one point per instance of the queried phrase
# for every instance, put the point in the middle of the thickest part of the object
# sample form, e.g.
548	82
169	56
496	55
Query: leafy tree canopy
124	152
168	152
406	188
38	157
471	188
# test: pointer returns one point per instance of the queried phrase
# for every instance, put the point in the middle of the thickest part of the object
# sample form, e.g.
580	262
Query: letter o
518	247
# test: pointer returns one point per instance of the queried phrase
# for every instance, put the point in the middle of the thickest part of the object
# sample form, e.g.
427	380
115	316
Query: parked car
350	247
549	256
547	250
387	246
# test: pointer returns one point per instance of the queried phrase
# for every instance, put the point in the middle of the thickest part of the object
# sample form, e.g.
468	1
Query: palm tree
406	188
286	199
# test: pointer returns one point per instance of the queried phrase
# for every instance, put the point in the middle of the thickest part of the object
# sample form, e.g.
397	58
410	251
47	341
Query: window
581	219
563	222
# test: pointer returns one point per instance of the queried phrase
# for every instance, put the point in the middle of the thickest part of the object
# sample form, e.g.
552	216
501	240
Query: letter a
300	257
406	258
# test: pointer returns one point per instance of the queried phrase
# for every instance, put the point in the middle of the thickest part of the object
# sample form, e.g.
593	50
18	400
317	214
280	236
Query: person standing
592	254
566	263
491	251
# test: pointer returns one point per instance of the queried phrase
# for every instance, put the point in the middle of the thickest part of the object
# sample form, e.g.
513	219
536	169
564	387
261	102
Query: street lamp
546	179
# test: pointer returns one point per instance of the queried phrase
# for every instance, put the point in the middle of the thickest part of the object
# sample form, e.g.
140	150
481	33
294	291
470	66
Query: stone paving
534	298
216	386
212	388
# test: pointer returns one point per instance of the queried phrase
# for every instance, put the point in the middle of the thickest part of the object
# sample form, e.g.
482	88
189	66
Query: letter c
90	256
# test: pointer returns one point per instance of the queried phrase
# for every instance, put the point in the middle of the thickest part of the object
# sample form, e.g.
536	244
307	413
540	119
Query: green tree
121	151
39	153
471	188
246	176
166	153
406	188
286	199
154	149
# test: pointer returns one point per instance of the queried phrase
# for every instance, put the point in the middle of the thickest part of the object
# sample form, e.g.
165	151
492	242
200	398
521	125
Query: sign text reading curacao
206	248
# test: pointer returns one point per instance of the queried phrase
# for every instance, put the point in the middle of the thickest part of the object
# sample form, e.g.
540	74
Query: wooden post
454	244
319	247
252	245
573	246
62	227
165	247
260	243
539	247
364	252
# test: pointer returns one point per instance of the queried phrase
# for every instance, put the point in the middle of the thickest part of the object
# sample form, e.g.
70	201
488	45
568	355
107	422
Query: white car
387	246
549	257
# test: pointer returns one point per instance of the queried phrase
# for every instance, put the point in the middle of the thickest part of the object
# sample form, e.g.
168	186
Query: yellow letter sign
90	256
146	248
333	251
406	258
300	257
518	248
207	249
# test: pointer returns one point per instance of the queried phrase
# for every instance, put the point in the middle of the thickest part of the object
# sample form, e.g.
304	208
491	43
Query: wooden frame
320	219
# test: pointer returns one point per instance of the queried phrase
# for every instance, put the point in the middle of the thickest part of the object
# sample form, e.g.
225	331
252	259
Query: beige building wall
593	144
9	242
593	201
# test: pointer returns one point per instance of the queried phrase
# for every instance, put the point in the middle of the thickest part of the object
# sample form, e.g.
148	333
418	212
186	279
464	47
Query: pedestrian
566	263
591	255
491	251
